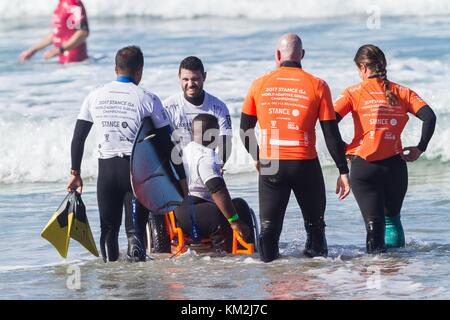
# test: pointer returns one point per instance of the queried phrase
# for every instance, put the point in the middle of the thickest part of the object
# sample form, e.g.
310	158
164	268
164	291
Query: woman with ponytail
379	175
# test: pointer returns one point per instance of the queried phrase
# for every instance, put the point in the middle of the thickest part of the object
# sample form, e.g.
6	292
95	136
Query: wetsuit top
200	165
182	112
69	17
378	125
117	109
287	103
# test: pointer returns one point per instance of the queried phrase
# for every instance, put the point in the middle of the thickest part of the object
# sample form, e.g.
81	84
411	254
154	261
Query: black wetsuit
305	178
202	219
114	193
380	186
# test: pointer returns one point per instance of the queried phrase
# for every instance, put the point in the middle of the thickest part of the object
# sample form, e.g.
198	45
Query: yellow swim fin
57	230
70	221
80	229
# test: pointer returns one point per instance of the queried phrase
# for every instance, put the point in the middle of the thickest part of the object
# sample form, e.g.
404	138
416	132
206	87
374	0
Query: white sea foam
38	110
258	9
37	125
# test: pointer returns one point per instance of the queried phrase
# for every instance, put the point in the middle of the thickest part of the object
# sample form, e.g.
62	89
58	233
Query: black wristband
61	49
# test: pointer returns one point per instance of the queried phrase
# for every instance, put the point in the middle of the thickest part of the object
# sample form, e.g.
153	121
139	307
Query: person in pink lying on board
69	34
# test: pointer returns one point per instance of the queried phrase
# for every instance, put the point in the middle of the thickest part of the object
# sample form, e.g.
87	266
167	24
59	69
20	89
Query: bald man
287	102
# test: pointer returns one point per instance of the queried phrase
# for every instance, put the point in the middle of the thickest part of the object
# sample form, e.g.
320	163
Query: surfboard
153	177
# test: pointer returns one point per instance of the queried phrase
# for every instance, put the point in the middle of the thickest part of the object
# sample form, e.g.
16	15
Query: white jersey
181	113
200	165
117	109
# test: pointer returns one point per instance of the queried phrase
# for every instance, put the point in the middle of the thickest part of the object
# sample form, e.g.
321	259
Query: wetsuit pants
201	219
305	178
379	188
113	194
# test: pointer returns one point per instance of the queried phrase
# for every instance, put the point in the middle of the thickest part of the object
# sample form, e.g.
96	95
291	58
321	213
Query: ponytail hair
373	58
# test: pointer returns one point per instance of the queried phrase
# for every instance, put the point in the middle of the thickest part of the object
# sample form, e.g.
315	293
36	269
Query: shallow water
32	269
39	102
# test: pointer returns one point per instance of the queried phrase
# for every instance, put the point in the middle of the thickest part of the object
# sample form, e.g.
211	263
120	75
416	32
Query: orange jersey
287	102
378	125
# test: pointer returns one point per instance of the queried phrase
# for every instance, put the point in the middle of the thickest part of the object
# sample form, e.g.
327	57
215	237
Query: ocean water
39	102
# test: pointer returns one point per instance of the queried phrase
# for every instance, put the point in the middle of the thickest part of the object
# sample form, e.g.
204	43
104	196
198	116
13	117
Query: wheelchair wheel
158	240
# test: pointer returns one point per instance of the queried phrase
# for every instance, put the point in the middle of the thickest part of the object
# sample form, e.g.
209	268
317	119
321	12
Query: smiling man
193	100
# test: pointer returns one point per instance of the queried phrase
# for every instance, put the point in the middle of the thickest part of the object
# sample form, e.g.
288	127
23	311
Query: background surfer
69	34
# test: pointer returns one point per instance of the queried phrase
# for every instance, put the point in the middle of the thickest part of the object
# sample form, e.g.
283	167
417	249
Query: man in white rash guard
117	110
193	100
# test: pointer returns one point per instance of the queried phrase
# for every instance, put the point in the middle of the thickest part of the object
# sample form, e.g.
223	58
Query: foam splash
255	9
38	111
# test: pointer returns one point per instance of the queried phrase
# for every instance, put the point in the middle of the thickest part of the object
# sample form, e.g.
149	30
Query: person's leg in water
367	183
212	222
274	192
109	198
310	194
136	218
395	192
201	219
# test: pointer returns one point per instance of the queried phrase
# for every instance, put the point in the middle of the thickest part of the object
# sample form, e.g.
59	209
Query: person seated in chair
208	211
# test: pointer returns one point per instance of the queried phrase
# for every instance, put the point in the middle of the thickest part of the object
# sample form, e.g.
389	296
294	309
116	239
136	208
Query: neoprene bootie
219	241
375	237
394	235
268	247
136	250
316	242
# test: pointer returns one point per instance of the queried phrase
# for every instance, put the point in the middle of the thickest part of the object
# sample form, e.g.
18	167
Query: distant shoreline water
252	9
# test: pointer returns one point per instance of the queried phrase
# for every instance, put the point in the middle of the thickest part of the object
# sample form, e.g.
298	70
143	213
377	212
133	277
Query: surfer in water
208	210
379	175
193	100
69	34
287	103
117	110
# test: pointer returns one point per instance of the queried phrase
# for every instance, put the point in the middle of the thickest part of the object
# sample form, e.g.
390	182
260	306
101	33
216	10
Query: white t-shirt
117	109
201	165
181	113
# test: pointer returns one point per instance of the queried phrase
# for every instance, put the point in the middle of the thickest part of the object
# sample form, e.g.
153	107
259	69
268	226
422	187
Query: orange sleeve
343	104
414	102
249	106
326	111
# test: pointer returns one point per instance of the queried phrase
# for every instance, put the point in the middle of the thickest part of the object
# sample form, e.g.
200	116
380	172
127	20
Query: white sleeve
169	113
208	169
85	114
153	108
224	119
